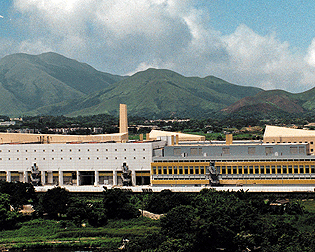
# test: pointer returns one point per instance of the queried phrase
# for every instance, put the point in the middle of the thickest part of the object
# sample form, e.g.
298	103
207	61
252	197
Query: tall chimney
123	122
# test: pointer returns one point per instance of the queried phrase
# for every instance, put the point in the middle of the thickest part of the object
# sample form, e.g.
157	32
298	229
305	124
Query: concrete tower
123	121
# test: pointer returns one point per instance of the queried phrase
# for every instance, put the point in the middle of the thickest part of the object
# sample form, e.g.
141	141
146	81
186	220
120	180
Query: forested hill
51	84
28	82
163	93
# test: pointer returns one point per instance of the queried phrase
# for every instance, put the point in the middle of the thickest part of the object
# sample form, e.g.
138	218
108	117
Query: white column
60	176
8	176
97	178
43	177
78	178
25	177
50	177
133	178
114	177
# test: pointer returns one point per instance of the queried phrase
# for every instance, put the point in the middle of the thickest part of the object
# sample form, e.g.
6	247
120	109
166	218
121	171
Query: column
97	178
50	177
8	176
114	177
43	177
60	176
78	178
133	178
25	177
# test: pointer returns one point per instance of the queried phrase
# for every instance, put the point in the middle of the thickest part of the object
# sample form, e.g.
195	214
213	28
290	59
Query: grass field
40	233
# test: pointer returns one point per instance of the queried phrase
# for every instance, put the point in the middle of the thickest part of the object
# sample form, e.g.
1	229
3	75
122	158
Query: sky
266	44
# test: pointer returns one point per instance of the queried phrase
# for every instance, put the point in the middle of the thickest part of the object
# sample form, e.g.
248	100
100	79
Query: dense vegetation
206	221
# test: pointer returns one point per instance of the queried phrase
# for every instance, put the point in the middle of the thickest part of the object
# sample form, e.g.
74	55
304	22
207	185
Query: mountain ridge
52	84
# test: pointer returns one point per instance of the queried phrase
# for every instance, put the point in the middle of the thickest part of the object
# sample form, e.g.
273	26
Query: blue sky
267	44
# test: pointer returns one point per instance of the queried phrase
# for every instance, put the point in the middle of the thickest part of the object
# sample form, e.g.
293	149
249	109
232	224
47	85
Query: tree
54	202
8	218
19	193
117	206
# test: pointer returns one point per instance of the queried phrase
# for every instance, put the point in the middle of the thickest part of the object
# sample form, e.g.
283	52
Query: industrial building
163	159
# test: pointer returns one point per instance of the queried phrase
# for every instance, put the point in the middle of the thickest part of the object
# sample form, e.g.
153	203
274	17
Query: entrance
87	177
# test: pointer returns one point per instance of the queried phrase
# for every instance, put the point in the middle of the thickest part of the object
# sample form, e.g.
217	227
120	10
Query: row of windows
61	158
267	169
70	150
175	170
226	151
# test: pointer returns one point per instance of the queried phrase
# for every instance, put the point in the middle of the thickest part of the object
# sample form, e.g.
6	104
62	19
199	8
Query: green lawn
41	233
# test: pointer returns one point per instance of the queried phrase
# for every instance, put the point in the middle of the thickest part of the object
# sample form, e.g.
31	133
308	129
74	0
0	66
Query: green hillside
163	93
31	81
52	84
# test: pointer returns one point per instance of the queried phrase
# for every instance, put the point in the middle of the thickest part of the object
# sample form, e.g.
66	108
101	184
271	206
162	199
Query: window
177	151
170	170
196	169
180	170
234	170
290	169
284	169
175	169
225	150
164	170
223	169
296	170
301	169
269	150
279	169
186	169
202	170
262	169
245	170
196	151
191	169
240	170
159	170
251	150
293	150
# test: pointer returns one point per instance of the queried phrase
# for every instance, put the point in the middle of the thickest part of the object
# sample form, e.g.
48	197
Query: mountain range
51	84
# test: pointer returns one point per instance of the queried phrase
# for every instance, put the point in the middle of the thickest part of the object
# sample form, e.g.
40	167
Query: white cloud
124	36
